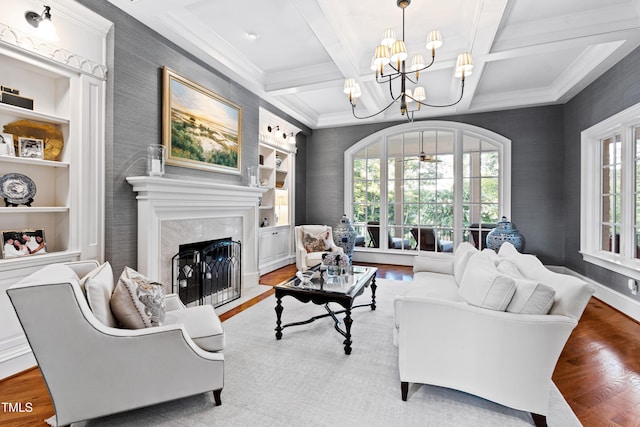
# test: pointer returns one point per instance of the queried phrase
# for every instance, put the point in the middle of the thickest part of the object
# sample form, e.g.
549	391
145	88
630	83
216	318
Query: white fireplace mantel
224	210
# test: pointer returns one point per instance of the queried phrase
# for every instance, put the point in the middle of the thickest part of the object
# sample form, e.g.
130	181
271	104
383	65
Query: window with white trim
427	185
610	193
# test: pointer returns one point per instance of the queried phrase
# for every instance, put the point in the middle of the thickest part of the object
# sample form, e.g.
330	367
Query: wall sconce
43	23
277	129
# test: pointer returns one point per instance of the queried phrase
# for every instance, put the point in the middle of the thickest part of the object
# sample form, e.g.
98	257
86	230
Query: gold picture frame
200	129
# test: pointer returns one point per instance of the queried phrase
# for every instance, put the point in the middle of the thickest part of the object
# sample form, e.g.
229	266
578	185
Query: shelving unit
276	175
50	209
65	205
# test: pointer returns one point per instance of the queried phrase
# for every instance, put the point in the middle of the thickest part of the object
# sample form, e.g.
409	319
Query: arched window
427	186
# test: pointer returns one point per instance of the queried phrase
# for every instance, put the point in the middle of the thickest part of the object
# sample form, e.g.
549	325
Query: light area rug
305	379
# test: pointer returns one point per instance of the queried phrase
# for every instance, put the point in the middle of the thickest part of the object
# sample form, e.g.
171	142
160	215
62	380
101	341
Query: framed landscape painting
201	129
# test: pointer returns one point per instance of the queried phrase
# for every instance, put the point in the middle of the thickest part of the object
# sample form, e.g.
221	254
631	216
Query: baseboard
615	299
16	359
267	268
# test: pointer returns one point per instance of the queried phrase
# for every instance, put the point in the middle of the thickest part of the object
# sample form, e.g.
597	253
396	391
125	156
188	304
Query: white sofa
312	242
447	337
92	369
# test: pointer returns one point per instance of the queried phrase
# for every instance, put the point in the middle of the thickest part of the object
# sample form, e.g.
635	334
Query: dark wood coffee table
322	291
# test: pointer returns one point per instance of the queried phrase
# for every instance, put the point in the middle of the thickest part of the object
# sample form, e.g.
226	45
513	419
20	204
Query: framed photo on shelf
18	243
200	129
6	145
31	147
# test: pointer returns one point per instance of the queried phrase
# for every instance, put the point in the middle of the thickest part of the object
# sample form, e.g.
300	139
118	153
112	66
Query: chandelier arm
387	78
445	105
408	77
433	60
353	110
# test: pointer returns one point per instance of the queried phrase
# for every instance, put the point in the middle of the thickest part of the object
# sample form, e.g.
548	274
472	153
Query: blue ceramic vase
344	235
504	232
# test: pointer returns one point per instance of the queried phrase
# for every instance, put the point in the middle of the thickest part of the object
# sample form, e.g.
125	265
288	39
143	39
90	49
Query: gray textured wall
134	120
614	91
537	175
546	146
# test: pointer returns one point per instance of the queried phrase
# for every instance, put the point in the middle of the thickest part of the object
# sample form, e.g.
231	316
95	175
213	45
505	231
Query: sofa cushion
508	267
531	297
492	255
202	325
507	250
433	264
572	293
98	286
137	302
461	258
439	285
483	286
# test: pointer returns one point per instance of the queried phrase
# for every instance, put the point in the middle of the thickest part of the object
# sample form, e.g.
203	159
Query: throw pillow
138	302
317	243
531	297
98	285
460	259
508	267
492	255
483	286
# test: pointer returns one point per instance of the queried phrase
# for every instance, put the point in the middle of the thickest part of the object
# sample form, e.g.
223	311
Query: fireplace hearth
208	272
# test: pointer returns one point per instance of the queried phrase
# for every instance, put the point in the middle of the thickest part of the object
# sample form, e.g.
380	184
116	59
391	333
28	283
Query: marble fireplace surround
172	212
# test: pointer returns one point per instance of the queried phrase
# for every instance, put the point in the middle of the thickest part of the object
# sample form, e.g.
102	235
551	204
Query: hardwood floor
598	372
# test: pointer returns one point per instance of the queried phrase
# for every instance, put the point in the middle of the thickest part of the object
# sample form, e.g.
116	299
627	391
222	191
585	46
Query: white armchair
92	370
312	242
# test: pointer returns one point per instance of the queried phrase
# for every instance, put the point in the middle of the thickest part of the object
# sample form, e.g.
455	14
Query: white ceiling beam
318	15
487	22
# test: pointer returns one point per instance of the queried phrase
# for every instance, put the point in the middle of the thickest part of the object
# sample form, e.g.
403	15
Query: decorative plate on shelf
17	189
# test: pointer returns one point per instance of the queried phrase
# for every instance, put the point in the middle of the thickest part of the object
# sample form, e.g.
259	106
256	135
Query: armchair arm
436	262
173	302
301	258
504	357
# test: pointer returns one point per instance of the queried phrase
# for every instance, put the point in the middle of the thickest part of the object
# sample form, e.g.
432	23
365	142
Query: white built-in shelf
38	260
33	209
33	162
25	113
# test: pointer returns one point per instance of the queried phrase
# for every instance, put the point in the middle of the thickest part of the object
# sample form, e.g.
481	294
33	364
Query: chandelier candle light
393	53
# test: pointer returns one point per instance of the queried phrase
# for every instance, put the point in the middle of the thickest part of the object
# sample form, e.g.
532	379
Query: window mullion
384	190
458	185
627	205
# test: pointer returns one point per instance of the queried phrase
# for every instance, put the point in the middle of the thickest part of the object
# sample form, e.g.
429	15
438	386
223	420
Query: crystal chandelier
393	53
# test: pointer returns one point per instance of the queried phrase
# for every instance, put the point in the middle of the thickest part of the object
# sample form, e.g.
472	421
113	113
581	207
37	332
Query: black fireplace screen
207	272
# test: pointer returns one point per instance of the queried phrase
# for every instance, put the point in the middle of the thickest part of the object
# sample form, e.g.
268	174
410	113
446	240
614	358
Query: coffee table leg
373	293
279	309
347	324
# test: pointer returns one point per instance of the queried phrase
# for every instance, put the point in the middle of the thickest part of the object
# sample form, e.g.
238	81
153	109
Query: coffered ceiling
296	53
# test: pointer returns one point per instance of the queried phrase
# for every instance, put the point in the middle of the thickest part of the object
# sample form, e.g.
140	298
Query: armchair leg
539	420
216	397
404	387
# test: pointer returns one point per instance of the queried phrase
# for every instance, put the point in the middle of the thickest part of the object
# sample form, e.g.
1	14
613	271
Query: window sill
615	263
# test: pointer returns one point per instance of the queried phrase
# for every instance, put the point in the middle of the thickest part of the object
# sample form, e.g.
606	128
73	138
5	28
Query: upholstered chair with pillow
312	242
95	366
